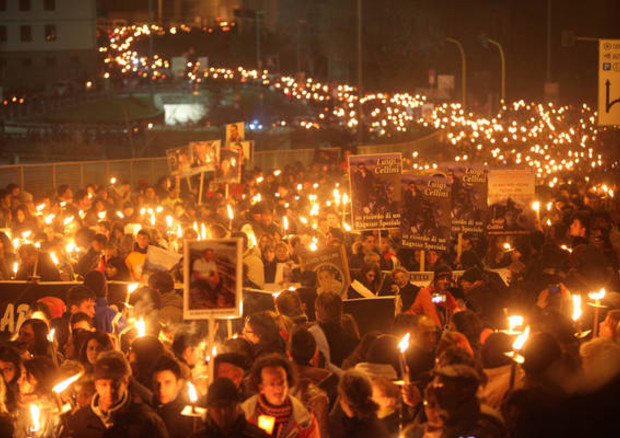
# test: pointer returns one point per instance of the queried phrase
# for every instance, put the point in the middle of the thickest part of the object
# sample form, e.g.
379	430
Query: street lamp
485	40
463	69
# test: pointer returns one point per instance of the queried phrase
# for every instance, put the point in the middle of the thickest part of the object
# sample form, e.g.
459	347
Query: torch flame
597	295
285	222
518	344
101	215
54	258
132	287
191	392
403	345
141	327
231	215
68	220
50	335
35	415
507	247
536	205
62	386
15	267
514	321
576	307
112	180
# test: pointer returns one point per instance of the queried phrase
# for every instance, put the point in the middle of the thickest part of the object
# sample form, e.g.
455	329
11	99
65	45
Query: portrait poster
245	148
374	181
469	196
425	212
204	155
179	161
331	267
228	169
235	133
212	278
510	196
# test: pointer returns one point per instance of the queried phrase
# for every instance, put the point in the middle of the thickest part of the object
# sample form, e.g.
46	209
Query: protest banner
425	212
331	267
235	133
203	155
375	191
228	169
510	195
179	161
469	197
212	278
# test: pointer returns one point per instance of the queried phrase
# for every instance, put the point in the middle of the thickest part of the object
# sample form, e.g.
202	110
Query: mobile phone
439	298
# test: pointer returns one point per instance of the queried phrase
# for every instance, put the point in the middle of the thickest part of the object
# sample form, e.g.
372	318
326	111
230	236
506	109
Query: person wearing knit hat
106	318
114	410
435	300
225	417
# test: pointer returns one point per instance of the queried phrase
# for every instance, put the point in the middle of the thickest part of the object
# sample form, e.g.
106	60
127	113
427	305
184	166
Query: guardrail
40	178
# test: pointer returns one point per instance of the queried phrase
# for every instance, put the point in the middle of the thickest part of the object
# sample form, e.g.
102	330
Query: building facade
46	42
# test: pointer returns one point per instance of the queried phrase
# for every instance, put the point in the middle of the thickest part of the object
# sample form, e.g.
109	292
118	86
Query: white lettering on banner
8	318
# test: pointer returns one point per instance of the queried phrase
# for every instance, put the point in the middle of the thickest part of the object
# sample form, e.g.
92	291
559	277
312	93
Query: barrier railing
39	178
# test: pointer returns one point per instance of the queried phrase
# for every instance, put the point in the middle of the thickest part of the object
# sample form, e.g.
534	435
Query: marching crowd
447	366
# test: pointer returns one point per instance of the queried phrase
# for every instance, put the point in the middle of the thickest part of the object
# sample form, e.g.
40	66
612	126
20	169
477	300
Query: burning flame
68	220
507	247
62	386
35	415
536	205
101	215
403	345
15	267
518	344
576	307
112	180
132	287
169	221
231	215
50	335
54	258
514	321
597	296
266	423
141	327
285	223
191	392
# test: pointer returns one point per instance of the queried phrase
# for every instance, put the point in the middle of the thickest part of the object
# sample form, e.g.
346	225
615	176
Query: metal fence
39	178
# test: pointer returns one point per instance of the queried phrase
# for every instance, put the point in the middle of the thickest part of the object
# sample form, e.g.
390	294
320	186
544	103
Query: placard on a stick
375	191
212	279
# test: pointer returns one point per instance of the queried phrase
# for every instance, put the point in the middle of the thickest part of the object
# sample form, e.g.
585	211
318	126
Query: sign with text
331	267
425	211
375	191
609	82
510	196
469	197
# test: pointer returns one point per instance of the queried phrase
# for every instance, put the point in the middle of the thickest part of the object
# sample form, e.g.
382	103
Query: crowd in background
305	369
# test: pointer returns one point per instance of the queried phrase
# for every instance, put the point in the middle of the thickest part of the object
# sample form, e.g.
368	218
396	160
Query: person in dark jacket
170	397
224	415
356	414
114	410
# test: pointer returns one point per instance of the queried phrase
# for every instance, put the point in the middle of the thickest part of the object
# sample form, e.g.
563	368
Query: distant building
169	12
43	42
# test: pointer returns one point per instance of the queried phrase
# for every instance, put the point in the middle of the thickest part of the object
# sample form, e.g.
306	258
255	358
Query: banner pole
202	181
210	344
189	184
229	329
459	247
422	261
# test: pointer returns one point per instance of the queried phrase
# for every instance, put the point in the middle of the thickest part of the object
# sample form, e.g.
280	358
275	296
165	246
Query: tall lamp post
503	61
463	69
360	87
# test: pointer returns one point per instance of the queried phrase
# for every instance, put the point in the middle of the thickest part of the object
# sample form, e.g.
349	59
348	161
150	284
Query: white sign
609	82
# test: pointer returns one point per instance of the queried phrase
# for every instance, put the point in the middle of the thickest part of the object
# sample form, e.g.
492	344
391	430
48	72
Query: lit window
50	32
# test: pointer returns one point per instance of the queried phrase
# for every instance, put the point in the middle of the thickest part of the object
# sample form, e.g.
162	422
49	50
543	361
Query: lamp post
503	63
360	87
463	69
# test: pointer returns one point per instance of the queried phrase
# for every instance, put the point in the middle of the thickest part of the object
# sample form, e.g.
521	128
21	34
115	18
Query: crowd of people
300	367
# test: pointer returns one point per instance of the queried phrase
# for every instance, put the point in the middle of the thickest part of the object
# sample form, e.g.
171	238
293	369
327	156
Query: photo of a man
212	278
